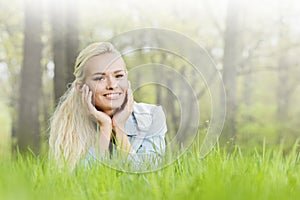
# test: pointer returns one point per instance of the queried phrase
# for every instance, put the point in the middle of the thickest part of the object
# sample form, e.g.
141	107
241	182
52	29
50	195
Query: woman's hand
101	117
118	122
120	117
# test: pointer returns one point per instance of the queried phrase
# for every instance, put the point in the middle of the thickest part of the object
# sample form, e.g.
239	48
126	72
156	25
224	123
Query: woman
98	113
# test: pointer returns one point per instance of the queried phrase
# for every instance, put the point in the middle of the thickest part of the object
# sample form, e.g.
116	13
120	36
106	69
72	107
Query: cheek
95	87
124	84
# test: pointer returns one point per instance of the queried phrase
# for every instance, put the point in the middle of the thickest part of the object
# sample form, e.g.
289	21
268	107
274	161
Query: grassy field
268	174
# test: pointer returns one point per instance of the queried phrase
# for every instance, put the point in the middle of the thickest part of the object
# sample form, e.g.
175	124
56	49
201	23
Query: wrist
105	123
118	126
105	129
118	129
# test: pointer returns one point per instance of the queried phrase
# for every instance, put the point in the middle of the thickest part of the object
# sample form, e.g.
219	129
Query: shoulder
144	108
149	116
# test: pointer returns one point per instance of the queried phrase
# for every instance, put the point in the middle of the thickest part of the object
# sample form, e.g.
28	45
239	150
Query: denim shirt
145	128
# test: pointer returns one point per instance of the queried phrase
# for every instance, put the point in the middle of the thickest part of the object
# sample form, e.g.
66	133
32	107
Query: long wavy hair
72	131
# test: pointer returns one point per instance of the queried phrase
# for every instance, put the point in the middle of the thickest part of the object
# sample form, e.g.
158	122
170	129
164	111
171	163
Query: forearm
122	141
104	139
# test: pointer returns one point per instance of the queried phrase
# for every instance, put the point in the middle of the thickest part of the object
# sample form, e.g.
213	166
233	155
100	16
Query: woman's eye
119	75
99	79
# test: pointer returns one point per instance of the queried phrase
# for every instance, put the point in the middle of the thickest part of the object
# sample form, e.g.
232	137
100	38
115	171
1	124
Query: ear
78	86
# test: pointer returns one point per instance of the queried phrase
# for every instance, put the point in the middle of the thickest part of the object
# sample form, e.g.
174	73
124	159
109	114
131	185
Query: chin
110	105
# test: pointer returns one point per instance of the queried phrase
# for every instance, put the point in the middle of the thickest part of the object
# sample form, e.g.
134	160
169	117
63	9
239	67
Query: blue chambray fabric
145	128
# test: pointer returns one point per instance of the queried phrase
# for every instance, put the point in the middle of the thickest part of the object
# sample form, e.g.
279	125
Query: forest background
254	44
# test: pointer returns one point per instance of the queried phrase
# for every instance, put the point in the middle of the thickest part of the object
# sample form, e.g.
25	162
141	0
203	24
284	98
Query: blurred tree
230	61
283	94
72	20
64	21
28	128
58	46
285	84
11	39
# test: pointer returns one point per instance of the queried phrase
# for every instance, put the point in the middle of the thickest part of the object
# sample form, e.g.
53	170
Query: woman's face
106	77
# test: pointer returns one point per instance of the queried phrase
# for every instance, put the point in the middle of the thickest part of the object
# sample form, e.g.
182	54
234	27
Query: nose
111	83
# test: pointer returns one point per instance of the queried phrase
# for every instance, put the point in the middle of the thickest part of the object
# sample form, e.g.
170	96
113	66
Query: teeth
112	95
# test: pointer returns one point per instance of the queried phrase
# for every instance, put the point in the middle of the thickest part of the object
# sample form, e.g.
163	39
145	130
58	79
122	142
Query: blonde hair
71	128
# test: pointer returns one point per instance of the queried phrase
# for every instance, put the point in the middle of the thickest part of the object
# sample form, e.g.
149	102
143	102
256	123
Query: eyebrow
103	73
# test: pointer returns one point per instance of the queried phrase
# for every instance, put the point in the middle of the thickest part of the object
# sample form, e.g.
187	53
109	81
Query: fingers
84	94
130	98
87	97
129	84
130	95
89	101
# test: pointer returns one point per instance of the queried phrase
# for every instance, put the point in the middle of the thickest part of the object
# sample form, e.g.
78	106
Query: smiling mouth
112	96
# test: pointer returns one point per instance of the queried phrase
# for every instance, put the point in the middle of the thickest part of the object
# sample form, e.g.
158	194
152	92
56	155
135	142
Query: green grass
268	174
